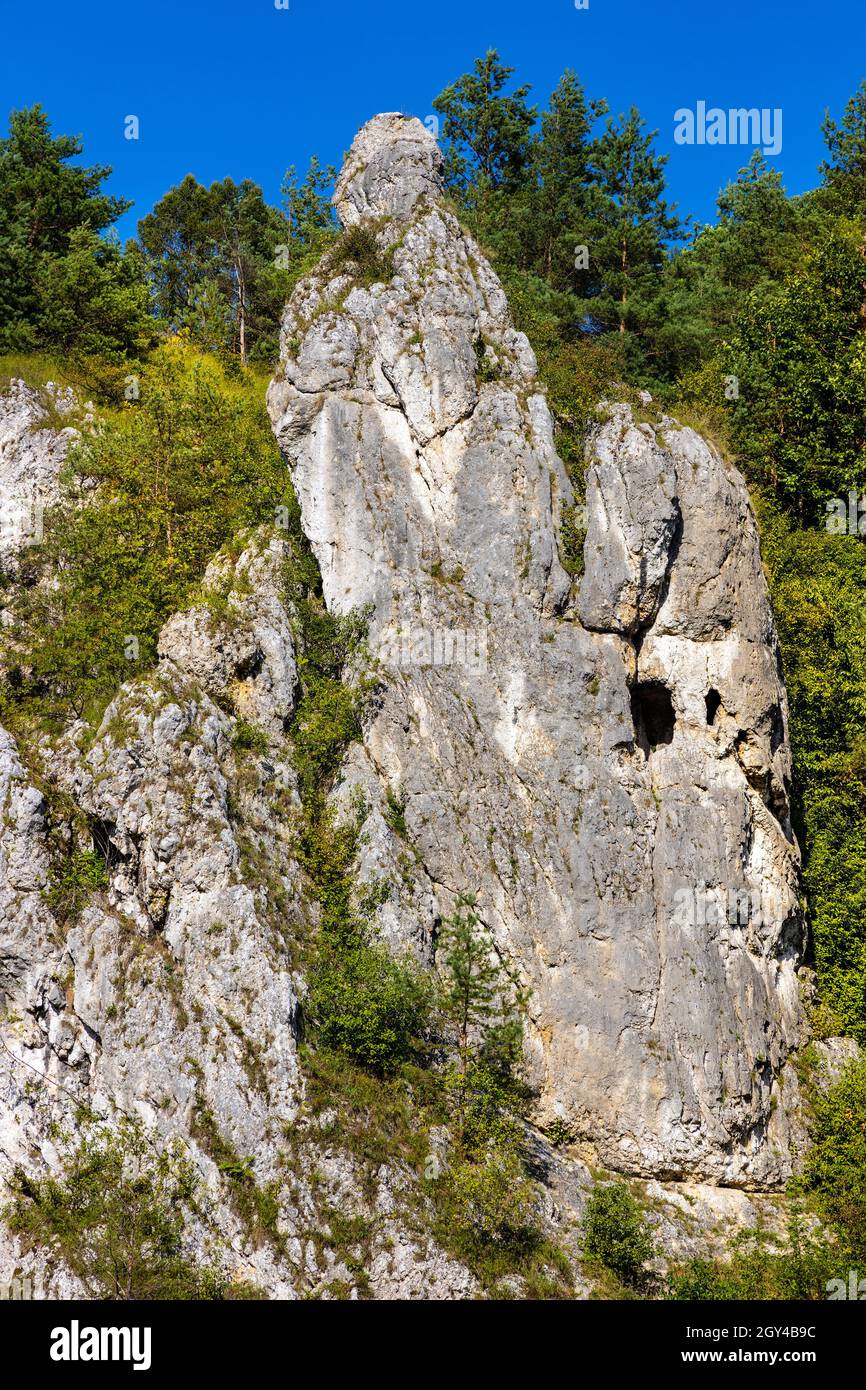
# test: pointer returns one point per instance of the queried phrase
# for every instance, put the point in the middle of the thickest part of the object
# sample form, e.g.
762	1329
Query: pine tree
630	228
563	166
307	207
488	130
760	237
479	996
845	171
471	979
213	260
44	201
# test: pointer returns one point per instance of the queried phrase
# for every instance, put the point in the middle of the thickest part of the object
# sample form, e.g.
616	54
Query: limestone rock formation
32	453
602	762
175	996
240	648
605	765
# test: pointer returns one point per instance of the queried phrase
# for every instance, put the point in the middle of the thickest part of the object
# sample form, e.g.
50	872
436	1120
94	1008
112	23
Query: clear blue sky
240	88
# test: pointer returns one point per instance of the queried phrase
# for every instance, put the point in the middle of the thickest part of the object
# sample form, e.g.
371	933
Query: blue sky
241	88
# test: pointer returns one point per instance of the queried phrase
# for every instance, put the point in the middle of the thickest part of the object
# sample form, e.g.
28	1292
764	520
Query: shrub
180	473
836	1164
492	1203
572	535
761	1268
74	883
615	1233
249	738
358	247
366	1004
116	1215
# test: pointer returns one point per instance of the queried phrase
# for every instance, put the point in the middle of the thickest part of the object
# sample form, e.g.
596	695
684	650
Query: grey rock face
175	996
32	453
604	765
241	648
607	771
394	164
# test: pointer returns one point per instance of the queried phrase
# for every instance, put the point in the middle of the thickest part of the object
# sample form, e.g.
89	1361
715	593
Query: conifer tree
845	170
488	130
49	209
632	225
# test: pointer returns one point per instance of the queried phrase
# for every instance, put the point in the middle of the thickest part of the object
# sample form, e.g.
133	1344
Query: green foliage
257	1207
488	130
818	582
93	300
836	1163
51	258
615	1233
117	1215
180	472
760	237
631	229
763	1267
310	220
357	253
823	1240
845	170
73	884
365	1003
478	995
799	355
485	368
572	534
362	1003
490	1206
332	657
249	738
395	812
218	263
576	375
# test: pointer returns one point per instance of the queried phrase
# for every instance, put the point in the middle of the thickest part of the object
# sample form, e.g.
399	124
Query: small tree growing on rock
615	1233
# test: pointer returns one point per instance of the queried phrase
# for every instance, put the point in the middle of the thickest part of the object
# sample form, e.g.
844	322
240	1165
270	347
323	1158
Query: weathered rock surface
32	454
392	167
607	770
240	649
603	764
174	996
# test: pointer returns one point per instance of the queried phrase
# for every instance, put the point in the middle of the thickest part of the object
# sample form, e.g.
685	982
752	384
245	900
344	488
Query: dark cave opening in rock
100	834
713	700
653	714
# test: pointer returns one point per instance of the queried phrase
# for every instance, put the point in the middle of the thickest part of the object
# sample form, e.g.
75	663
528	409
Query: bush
249	738
358	247
836	1164
180	473
491	1204
116	1215
759	1268
615	1234
75	882
364	1003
